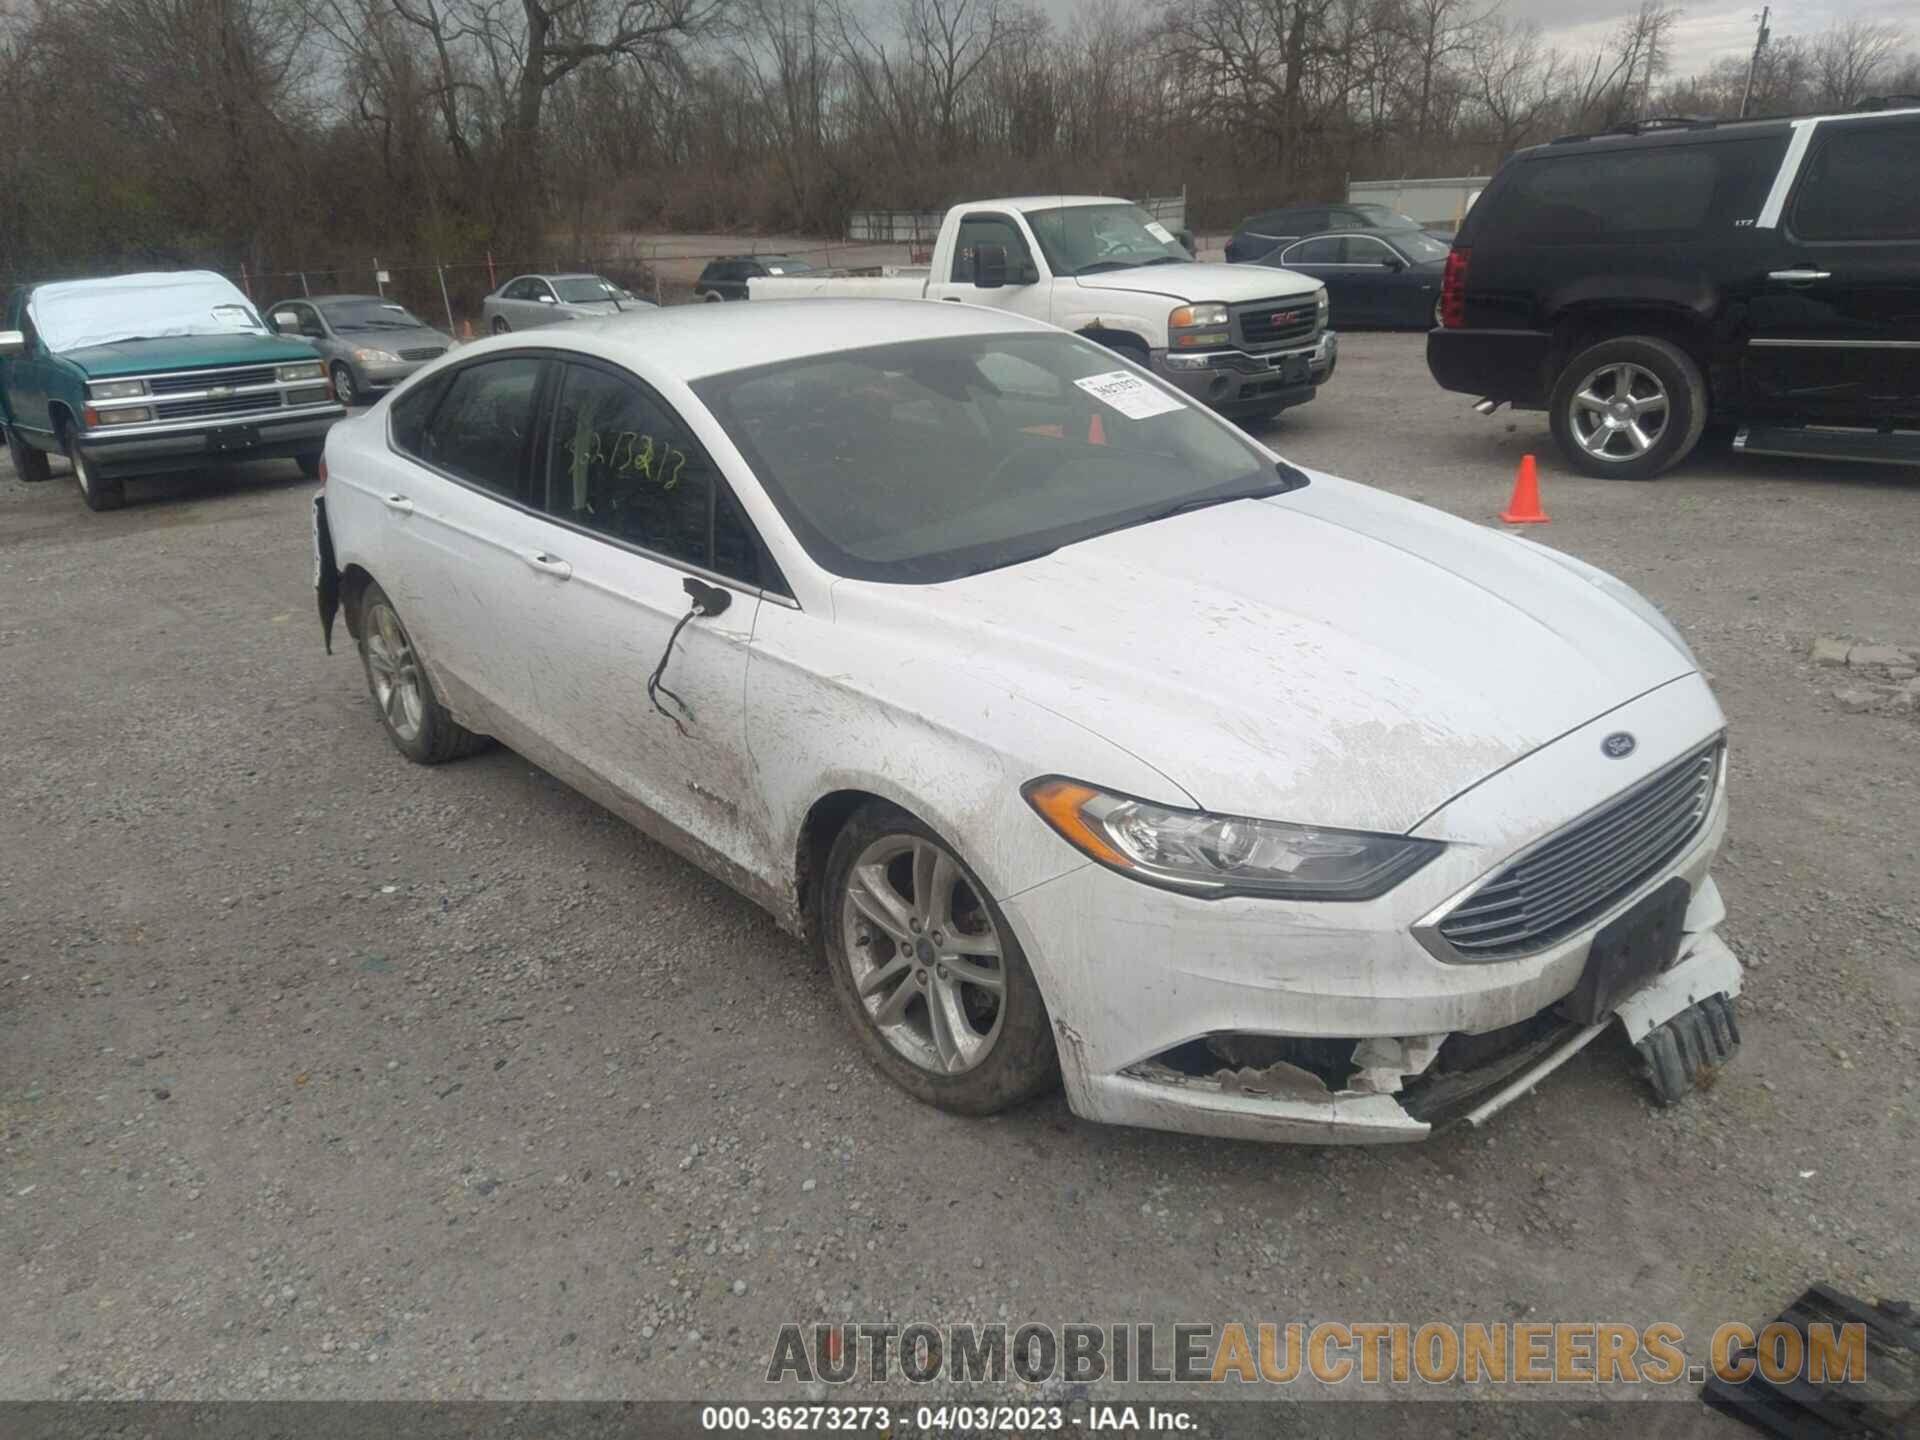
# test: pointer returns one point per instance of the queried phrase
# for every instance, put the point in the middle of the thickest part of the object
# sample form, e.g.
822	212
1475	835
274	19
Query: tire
415	721
879	855
309	465
99	493
344	390
29	465
1607	397
500	326
712	297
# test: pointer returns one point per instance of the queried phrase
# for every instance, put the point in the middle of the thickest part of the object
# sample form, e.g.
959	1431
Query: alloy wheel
1619	412
395	672
343	390
924	954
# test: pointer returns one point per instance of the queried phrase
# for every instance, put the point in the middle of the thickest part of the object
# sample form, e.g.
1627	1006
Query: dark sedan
1387	281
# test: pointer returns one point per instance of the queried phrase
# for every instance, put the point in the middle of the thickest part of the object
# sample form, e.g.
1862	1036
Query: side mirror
989	266
548	300
286	318
12	342
1395	263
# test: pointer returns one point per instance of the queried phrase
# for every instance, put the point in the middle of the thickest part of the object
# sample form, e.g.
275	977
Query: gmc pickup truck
1246	340
141	374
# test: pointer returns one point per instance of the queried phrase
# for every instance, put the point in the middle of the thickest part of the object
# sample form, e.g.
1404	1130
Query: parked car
145	374
1250	343
527	301
1389	279
1259	235
1762	277
726	278
369	343
1086	737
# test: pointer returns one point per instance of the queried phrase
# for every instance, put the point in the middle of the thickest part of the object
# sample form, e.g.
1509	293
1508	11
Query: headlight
116	389
311	370
132	415
1624	593
376	357
1322	306
1214	855
1190	317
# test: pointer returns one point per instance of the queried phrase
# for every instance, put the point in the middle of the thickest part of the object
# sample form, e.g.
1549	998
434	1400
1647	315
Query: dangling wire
655	689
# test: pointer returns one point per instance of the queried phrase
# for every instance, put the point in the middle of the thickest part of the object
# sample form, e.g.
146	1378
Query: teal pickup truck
143	374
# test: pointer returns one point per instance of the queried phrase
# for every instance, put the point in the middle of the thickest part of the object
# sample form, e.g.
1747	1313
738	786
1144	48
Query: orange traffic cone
1096	432
1524	508
466	329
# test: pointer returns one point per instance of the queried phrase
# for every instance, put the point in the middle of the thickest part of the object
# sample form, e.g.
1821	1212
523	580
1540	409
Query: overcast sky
1709	29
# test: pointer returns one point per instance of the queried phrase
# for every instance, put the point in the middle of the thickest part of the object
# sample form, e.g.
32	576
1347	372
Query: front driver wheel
927	969
416	722
1629	409
29	464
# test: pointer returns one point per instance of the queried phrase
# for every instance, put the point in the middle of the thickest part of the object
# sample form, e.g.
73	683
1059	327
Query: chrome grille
1274	322
200	380
229	405
424	353
1571	878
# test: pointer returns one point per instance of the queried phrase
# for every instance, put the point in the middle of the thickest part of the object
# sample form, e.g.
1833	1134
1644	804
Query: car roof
694	341
1662	132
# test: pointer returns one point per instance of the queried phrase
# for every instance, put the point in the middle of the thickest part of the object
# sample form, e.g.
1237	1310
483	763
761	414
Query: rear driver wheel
414	719
29	464
1629	409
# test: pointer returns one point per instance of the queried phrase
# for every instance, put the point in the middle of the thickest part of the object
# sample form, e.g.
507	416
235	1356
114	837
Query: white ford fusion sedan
1087	739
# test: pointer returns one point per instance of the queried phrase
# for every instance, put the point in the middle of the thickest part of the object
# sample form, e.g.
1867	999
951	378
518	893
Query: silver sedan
527	301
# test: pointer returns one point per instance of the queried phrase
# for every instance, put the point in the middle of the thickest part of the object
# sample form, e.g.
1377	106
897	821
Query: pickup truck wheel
28	463
928	970
99	492
500	326
1629	409
416	722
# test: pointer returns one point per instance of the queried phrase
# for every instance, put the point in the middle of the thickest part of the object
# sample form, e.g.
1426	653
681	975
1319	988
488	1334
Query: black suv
1759	276
726	278
1259	234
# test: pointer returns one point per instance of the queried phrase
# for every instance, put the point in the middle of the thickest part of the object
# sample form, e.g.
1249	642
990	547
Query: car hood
187	352
412	338
1334	656
1229	284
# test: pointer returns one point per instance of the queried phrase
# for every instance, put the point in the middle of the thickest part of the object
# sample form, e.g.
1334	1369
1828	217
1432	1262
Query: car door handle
550	565
399	504
1799	277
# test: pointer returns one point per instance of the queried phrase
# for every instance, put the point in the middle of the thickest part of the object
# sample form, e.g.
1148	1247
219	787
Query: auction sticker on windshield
1129	394
1159	232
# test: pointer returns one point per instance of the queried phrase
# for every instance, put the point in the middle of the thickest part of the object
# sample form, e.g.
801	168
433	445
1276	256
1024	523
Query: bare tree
1847	58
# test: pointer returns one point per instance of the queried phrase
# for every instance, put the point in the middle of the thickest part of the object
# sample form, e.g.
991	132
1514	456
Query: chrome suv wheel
1628	409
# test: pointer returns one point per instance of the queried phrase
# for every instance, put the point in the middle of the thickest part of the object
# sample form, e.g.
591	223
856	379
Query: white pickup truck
1245	339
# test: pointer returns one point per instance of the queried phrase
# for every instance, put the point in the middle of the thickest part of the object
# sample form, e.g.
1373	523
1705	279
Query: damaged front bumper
1323	1023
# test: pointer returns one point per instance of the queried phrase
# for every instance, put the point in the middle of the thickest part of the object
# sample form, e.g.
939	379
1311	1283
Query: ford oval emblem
1618	745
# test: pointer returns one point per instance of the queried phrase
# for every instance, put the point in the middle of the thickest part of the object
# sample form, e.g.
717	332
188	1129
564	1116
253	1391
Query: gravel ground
325	1075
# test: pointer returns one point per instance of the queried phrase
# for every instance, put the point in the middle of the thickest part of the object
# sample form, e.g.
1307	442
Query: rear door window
1329	250
1860	184
481	429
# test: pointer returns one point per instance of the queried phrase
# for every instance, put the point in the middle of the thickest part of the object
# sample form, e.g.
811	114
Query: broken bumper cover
1356	1032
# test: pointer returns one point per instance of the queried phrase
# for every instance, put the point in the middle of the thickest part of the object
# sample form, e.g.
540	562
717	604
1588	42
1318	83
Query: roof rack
1652	125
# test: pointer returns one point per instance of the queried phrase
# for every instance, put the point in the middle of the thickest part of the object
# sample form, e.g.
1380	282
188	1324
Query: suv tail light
1453	290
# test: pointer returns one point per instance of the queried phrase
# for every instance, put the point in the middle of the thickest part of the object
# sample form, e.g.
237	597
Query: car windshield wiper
1168	260
1201	502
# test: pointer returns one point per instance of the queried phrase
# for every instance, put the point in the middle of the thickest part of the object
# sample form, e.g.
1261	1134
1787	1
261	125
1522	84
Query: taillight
1453	290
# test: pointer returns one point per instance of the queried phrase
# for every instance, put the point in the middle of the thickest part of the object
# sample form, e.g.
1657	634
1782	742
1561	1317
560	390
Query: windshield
1421	246
584	289
926	461
370	315
1086	239
74	314
1385	217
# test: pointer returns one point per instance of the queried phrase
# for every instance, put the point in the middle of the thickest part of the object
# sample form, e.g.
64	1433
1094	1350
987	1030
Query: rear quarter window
1634	195
1860	184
